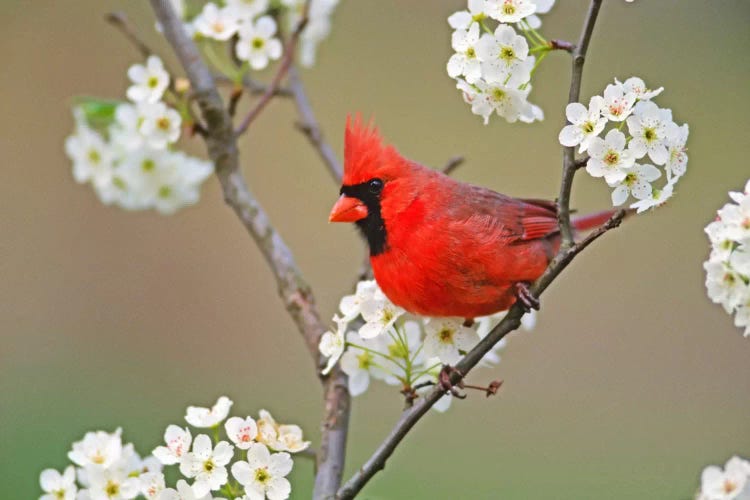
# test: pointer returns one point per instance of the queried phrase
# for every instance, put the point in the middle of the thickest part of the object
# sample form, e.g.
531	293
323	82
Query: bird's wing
512	219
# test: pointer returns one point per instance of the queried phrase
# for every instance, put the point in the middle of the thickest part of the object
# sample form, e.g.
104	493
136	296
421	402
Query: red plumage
451	248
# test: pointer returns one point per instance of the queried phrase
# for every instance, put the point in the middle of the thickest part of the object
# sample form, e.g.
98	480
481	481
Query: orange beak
347	209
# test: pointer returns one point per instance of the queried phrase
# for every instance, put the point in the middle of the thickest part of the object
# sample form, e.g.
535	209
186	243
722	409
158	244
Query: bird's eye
375	185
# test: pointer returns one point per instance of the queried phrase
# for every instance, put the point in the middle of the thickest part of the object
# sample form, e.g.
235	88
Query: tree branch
284	65
120	21
568	250
309	126
221	143
569	167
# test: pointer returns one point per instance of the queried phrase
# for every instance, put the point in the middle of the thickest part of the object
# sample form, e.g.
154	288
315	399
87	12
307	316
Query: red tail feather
591	221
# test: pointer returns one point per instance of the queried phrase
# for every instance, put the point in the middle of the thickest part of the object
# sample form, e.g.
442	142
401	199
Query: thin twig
120	21
452	164
309	126
512	320
253	87
581	162
569	169
562	45
286	62
221	142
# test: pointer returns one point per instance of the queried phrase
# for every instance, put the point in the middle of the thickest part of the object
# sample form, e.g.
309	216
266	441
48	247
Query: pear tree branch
221	142
567	252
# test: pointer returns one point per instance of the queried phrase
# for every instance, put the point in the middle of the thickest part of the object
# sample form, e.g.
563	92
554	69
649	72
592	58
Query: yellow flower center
112	488
258	43
163	123
262	476
611	158
446	335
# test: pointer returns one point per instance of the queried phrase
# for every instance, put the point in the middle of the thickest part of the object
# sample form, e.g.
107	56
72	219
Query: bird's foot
527	298
446	383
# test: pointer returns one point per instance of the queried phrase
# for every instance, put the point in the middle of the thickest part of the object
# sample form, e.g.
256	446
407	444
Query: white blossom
618	102
486	99
279	437
657	198
732	482
351	305
160	125
677	159
257	44
637	182
183	492
332	344
464	19
638	87
149	81
152	484
505	57
241	431
585	124
465	61
379	314
58	486
510	11
99	449
207	464
264	474
247	10
542	7
177	441
209	417
608	157
446	337
360	364
648	126
217	23
109	484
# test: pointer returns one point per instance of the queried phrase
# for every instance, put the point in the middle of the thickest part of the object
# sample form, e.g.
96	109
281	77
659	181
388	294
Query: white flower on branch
217	23
257	44
657	198
510	11
149	81
100	449
379	314
207	464
648	126
209	417
159	124
638	87
362	361
464	19
241	431
486	98
730	483
585	124
675	141
58	486
636	182
183	492
279	437
618	102
332	344
504	57
263	474
445	338
177	441
351	305
465	61
152	484
609	158
109	484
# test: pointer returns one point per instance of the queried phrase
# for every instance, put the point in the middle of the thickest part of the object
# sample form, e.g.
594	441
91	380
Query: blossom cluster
125	150
258	451
730	483
728	267
493	66
252	31
621	159
397	348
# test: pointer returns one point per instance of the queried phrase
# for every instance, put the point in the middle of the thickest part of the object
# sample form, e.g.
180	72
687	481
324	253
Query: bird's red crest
365	156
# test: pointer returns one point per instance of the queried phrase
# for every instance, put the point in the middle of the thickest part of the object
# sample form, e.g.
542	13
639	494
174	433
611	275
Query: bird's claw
527	298
447	385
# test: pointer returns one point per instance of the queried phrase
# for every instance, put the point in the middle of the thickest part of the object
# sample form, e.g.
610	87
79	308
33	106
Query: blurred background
630	384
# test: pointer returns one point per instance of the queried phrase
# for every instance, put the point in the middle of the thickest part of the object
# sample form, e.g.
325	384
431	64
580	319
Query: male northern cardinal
440	247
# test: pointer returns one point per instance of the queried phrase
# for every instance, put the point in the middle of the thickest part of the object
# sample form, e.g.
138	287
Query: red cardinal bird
440	247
